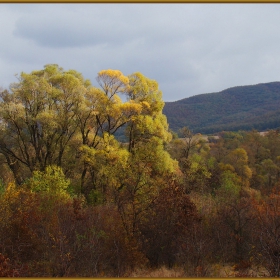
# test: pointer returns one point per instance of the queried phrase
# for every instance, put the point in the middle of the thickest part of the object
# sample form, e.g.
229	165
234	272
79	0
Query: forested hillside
77	202
233	109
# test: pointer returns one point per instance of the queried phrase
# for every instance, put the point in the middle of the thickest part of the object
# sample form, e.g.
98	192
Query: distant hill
237	108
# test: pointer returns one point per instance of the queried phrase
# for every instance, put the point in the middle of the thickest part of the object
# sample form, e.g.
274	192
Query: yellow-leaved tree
59	130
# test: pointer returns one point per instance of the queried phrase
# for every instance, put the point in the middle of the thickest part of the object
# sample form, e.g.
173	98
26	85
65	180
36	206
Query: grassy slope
243	107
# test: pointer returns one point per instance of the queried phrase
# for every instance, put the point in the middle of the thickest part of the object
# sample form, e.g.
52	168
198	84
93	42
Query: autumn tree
38	118
192	154
266	247
58	138
131	174
100	117
168	227
51	116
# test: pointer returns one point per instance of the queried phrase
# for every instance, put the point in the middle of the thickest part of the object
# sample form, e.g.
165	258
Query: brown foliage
6	269
267	233
166	226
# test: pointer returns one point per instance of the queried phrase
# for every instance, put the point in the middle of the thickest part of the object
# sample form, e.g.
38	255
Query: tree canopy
93	184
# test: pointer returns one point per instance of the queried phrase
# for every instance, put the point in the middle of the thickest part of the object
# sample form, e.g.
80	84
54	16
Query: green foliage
95	197
2	187
52	181
230	183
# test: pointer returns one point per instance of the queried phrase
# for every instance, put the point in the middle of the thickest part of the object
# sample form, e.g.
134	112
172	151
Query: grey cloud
100	25
63	26
62	34
188	48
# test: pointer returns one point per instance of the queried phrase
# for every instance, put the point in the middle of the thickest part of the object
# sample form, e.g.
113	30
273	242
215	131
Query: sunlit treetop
112	82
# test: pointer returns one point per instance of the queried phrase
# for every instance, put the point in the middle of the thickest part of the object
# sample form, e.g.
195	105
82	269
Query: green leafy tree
52	182
238	158
38	119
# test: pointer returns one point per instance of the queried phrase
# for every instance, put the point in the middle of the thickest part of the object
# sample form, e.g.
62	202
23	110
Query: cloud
188	48
56	32
64	26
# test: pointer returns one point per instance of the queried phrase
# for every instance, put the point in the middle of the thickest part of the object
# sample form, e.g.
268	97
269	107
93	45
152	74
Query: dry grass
218	270
158	273
225	271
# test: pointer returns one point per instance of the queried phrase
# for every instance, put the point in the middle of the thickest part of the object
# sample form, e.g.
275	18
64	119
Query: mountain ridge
236	108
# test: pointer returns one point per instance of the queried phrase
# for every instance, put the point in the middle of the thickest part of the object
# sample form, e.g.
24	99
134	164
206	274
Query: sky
188	49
